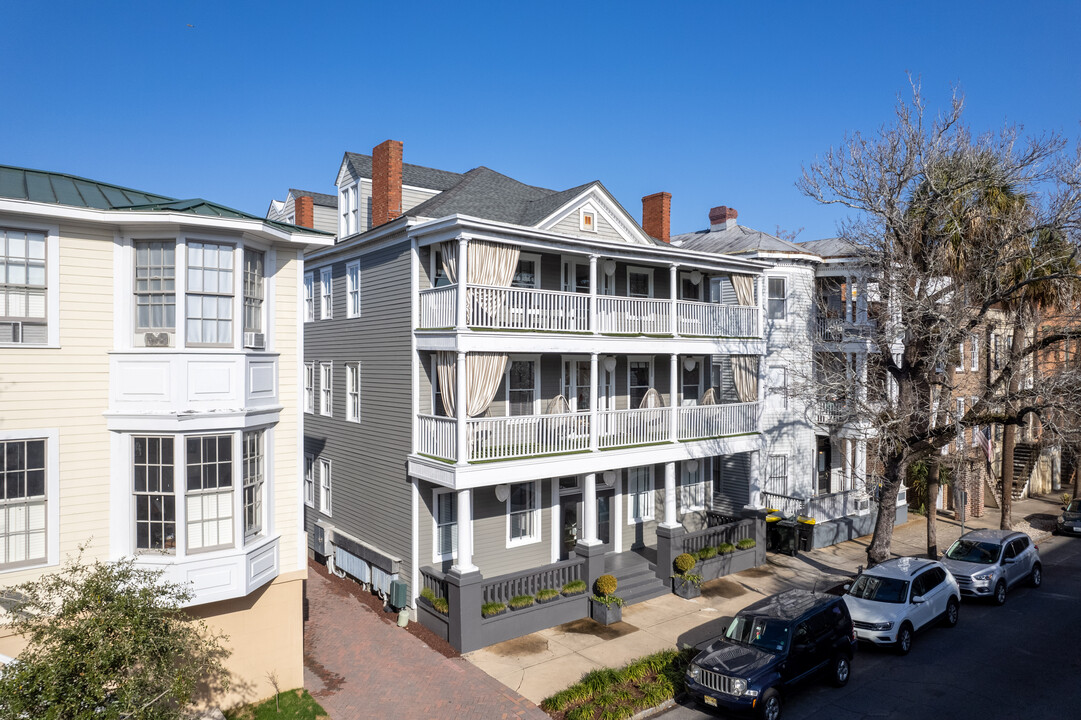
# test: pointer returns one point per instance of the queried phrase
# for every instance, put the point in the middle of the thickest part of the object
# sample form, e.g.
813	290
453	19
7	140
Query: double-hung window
352	392
209	297
309	481
209	491
254	477
523	513
639	381
22	287
445	510
309	387
352	284
22	502
155	286
960	356
521	387
326	294
777	298
324	486
155	502
975	348
325	388
254	272
309	297
960	428
692	490
639	494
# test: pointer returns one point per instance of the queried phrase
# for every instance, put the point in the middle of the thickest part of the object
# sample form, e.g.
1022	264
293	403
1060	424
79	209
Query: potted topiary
521	602
604	606
684	583
547	595
491	609
574	587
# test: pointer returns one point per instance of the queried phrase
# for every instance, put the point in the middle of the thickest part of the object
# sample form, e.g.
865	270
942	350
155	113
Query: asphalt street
1021	660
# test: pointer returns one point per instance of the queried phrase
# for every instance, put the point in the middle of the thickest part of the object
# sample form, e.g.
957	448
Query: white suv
891	601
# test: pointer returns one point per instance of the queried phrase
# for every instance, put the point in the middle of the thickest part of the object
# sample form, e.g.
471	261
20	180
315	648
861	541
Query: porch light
609	478
502	492
609	267
610	363
692	466
696	277
689	363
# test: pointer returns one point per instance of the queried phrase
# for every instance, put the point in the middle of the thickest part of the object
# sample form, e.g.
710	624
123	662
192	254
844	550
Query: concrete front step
636	579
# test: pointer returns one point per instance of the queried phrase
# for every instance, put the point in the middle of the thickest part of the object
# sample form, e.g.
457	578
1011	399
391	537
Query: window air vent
11	332
160	339
254	340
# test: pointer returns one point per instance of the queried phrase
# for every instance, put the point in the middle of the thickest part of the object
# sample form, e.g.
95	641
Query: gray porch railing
713	536
530	582
433	580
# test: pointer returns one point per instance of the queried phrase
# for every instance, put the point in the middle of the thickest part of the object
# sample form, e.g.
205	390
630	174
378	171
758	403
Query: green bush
684	562
441	605
605	585
746	544
726	548
575	587
547	594
521	601
428	594
707	552
489	609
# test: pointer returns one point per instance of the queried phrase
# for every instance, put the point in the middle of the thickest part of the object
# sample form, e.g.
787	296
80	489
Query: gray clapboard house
509	388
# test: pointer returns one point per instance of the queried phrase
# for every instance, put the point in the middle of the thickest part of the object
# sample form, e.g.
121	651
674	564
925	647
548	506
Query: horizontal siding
287	490
326	218
572	225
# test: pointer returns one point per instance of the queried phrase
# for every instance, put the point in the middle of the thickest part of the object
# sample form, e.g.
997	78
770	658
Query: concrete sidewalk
545	662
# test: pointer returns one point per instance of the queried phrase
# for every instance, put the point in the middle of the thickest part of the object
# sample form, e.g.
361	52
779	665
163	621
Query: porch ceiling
541	342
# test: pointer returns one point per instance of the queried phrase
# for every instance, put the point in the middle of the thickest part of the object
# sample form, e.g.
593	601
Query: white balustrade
619	428
715	320
633	316
437	307
527	435
710	421
435	436
526	309
787	505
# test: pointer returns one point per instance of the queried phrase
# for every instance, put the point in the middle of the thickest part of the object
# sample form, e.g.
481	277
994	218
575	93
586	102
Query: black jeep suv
769	647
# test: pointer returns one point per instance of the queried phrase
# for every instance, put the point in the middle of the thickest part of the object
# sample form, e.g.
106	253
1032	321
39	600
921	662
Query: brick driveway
358	666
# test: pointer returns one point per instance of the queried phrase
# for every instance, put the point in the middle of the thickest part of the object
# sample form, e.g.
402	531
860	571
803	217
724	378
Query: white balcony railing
435	437
620	428
833	506
437	307
707	421
500	438
523	309
786	504
633	316
713	320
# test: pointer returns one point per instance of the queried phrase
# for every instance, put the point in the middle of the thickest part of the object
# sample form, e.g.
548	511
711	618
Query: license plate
710	700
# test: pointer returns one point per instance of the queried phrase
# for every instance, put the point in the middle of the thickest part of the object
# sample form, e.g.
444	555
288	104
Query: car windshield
880	589
768	634
982	553
1074	507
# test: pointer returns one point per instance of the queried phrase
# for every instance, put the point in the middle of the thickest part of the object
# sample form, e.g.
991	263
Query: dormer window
589	221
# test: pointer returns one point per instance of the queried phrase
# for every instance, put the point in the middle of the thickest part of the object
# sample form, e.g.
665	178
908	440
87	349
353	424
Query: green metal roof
62	189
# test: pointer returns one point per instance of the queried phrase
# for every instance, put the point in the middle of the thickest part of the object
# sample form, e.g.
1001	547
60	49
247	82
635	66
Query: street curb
656	710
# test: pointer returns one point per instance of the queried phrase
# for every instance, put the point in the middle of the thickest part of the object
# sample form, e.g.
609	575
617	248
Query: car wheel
953	609
1037	576
1000	593
842	668
904	639
769	705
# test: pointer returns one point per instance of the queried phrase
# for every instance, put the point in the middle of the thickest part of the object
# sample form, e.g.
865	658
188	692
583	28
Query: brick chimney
386	182
657	215
304	212
722	218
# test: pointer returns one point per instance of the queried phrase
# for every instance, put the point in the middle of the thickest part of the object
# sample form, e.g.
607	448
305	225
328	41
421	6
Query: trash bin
783	537
806	536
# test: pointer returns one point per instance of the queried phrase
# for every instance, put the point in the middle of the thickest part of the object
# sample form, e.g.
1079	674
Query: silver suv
987	563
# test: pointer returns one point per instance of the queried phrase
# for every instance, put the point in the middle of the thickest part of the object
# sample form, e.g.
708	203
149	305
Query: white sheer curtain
709	397
745	374
744	287
484	372
652	399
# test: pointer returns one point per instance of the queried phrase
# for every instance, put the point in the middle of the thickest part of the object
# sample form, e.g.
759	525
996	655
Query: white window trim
180	465
536	260
52	485
52	289
564	381
325	484
436	557
326	389
537	530
309	389
567	265
350	290
784	298
652	374
702	286
961	360
587	210
250	537
702	367
651	498
309	297
350	391
309	480
975	340
235	294
636	270
535	359
700	482
326	293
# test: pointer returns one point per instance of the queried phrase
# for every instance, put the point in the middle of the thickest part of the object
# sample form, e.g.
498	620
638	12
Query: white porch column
589	510
464	563
673	398
460	398
592	293
463	273
848	299
669	495
673	294
594	421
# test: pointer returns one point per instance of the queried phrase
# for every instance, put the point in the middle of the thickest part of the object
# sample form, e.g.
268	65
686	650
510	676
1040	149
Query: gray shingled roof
736	239
415	175
832	248
317	198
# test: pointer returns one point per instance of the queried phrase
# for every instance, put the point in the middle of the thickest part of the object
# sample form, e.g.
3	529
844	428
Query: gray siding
572	225
326	218
371	497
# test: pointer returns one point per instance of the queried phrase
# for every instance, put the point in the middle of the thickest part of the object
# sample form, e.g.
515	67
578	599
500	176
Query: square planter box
605	614
686	589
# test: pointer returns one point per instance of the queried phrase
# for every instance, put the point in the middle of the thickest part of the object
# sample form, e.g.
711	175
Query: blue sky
717	102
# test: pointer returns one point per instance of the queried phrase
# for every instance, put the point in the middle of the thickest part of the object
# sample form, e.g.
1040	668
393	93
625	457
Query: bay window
209	298
209	491
254	270
155	286
154	498
254	463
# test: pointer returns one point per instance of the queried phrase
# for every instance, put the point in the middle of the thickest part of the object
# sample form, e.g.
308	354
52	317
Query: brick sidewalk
358	666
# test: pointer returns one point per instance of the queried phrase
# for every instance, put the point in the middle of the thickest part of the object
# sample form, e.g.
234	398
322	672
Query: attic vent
589	221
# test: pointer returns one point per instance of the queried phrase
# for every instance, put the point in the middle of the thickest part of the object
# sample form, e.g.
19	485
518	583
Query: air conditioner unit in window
160	339
254	340
11	332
